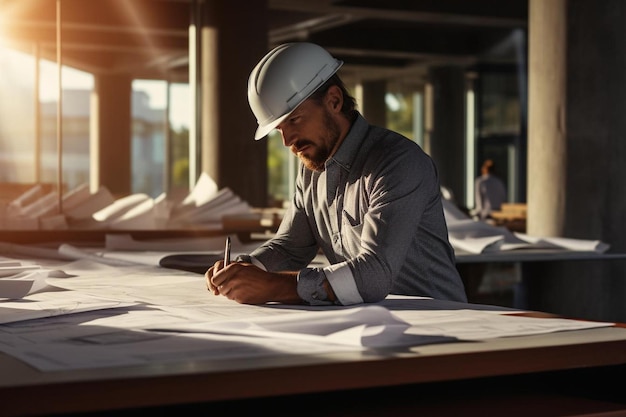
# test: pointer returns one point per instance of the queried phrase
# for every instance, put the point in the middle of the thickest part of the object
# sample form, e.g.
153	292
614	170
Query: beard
320	151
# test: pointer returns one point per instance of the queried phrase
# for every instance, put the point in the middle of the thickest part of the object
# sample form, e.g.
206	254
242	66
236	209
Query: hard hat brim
264	130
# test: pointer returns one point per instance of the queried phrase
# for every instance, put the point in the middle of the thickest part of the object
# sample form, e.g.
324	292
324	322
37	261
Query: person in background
490	192
367	197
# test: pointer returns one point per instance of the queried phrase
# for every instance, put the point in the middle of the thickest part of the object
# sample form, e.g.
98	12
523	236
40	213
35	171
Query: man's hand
248	284
208	275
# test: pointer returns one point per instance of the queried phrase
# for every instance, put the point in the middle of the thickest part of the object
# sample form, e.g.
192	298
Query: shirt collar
348	149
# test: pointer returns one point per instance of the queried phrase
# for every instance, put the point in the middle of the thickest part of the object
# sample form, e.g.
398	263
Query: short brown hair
349	103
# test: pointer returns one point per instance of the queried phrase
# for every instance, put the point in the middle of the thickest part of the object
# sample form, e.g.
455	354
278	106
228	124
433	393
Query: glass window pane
180	120
400	111
149	107
281	166
17	117
77	90
28	154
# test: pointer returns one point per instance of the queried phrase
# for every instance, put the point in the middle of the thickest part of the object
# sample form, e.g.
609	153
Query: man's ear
334	98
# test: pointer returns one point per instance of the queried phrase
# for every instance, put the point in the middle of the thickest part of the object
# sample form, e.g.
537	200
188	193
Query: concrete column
577	174
110	149
547	109
447	127
234	38
371	100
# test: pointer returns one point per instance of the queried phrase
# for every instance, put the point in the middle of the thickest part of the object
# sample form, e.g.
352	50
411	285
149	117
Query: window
159	157
282	170
28	121
17	115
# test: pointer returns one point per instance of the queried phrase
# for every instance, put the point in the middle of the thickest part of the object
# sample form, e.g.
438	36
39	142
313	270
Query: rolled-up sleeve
311	285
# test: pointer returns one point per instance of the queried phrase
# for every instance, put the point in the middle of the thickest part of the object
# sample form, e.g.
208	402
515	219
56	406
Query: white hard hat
284	78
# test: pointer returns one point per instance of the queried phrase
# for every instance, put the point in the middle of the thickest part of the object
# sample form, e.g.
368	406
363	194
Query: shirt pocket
351	230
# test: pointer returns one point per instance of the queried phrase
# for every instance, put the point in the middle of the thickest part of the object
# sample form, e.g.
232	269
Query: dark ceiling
390	38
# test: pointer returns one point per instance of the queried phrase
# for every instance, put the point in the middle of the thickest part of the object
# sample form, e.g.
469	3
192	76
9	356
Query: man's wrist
312	286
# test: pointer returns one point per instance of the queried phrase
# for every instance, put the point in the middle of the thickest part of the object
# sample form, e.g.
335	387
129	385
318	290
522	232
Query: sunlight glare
1	29
73	79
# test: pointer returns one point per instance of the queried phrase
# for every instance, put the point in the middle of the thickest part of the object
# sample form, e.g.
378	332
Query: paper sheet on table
120	206
468	228
30	251
223	202
479	237
136	283
140	217
198	325
369	326
15	206
54	303
85	208
478	244
115	337
19	285
204	190
111	338
206	204
566	243
72	252
476	325
9	268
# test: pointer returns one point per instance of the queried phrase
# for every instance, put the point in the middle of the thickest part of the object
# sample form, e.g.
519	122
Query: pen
227	251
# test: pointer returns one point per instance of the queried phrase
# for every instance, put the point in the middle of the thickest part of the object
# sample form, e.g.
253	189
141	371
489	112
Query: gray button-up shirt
376	214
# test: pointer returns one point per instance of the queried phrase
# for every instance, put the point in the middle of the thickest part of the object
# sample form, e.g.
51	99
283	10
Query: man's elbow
375	295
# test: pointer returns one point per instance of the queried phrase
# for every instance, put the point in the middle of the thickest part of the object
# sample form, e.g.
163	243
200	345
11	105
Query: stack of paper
206	205
475	236
18	279
126	210
82	204
203	207
36	210
14	219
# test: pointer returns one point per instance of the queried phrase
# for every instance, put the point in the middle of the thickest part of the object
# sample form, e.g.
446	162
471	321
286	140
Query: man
368	197
489	190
